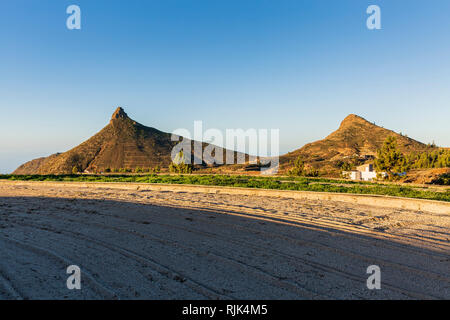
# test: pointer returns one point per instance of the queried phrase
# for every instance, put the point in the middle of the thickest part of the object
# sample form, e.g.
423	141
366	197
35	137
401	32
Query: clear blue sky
300	66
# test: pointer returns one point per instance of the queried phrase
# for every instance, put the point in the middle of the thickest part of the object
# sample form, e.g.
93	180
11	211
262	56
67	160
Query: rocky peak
353	119
119	114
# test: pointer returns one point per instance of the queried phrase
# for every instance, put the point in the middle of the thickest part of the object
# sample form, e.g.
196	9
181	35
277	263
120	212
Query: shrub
312	173
180	164
280	183
299	167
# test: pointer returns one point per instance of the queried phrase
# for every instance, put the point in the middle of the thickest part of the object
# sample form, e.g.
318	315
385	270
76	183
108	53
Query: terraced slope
123	143
355	138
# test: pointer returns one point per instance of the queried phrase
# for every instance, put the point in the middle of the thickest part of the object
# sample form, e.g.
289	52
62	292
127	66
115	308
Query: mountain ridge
356	138
125	143
122	143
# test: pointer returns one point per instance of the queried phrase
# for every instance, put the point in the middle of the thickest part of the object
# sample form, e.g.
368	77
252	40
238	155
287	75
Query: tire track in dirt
312	222
166	271
292	258
7	289
99	288
318	266
316	244
258	273
318	224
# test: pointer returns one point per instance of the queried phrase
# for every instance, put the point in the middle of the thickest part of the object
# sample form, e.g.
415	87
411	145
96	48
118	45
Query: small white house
365	172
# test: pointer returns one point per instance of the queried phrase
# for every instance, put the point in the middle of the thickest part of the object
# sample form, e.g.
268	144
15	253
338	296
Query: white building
365	172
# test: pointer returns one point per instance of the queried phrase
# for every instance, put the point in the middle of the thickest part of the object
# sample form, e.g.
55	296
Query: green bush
280	183
299	167
180	164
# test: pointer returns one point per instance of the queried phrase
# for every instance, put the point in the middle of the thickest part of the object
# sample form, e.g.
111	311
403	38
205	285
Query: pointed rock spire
119	114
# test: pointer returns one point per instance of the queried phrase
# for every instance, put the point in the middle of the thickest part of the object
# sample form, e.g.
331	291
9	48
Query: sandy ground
177	245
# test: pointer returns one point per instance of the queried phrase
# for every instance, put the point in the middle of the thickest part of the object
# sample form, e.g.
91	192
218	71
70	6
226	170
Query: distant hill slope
355	138
32	167
123	143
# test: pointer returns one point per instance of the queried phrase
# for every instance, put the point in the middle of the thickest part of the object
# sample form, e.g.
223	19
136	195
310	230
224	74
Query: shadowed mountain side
123	143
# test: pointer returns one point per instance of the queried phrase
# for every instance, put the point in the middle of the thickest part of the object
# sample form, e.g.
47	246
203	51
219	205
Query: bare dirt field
142	244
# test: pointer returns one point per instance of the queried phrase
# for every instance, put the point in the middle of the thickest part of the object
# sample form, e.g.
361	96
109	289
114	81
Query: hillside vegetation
125	146
122	146
353	143
280	183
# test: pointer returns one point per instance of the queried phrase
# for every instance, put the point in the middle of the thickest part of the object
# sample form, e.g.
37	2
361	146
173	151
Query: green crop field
279	183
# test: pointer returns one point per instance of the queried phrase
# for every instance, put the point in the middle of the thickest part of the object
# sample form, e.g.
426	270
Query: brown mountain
123	143
356	140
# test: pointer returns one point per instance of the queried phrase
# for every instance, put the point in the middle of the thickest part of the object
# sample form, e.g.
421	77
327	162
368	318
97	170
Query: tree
180	164
344	165
299	167
75	170
390	159
312	173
